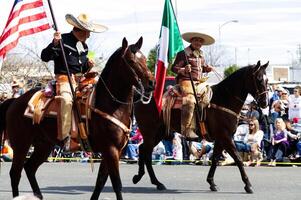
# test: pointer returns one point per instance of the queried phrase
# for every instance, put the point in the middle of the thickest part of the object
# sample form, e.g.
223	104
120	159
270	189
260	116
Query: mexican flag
170	43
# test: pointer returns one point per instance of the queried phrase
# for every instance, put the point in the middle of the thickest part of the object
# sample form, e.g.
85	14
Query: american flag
26	17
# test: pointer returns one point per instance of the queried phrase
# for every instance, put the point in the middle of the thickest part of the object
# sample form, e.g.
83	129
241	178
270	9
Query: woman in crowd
279	142
254	139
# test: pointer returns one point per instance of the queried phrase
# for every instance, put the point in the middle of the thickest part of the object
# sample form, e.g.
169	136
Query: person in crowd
192	61
279	142
168	146
200	150
254	139
76	51
294	148
253	111
177	148
159	153
7	152
277	111
131	151
240	135
294	105
15	89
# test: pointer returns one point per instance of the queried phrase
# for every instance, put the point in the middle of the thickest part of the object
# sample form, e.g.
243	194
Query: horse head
258	84
139	74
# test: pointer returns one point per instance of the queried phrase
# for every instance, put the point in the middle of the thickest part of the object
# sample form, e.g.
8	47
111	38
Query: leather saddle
43	105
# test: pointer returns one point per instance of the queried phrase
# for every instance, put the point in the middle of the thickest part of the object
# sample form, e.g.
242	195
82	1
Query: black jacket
77	62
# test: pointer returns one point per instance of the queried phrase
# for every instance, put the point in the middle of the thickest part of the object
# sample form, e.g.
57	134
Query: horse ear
257	66
124	43
139	43
258	63
265	65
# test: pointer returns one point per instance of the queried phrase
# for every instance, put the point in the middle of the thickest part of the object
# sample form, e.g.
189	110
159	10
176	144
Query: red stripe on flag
160	82
24	7
34	25
25	20
13	44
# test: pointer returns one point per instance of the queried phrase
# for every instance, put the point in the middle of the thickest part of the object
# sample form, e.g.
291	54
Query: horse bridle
258	93
141	92
237	115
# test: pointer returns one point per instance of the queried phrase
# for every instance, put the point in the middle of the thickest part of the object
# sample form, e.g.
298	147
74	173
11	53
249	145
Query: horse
221	121
125	73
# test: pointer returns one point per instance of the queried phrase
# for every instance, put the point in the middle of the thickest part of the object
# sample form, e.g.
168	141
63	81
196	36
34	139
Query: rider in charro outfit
76	51
197	66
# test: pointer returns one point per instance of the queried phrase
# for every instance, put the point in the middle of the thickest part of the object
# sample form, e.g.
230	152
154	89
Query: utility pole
299	53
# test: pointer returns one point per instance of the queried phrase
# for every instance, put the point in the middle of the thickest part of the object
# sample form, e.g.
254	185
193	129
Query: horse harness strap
112	119
227	110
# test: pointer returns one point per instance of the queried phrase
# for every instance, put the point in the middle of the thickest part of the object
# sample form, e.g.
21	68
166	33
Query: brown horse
221	121
124	73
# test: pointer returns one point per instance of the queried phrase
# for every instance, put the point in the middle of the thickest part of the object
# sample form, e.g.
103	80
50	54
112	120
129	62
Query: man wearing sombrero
76	51
191	60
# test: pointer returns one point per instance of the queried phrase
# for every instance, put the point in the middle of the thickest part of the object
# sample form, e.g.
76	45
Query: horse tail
3	109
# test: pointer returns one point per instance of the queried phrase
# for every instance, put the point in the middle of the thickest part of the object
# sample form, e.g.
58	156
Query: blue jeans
242	147
131	151
168	147
299	148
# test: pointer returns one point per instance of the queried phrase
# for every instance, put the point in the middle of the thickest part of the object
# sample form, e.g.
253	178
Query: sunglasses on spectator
251	124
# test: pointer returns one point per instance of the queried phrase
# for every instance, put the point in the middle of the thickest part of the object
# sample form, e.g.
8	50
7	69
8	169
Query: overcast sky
267	30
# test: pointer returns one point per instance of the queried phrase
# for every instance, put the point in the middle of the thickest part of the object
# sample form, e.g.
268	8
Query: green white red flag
170	43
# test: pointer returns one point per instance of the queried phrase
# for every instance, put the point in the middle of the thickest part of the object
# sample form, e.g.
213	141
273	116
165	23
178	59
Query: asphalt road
75	181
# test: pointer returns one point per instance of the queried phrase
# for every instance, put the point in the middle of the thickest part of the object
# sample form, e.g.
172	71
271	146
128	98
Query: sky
267	30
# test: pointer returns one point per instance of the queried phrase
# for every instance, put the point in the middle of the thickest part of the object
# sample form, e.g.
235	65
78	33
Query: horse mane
229	86
110	63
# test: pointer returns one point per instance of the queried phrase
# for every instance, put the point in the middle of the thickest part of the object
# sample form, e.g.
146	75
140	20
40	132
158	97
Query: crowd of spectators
271	135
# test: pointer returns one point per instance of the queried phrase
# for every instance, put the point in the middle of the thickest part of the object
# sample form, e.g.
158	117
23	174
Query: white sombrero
207	38
82	22
14	84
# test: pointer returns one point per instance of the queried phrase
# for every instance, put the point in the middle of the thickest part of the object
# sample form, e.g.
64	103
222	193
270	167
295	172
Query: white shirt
294	107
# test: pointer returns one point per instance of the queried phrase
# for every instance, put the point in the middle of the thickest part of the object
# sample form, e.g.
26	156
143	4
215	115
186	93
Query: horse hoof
39	196
213	188
248	190
136	179
161	187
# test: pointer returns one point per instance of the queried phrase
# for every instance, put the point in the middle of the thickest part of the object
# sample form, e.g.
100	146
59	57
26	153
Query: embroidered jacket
75	51
195	59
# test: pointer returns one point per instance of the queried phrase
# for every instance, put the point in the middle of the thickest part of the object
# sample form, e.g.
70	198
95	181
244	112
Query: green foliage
229	70
152	59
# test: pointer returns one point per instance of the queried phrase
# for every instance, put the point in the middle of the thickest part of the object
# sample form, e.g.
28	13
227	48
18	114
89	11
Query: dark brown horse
124	73
221	122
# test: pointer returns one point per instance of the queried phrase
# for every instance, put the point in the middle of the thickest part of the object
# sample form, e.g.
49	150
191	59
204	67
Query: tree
229	70
152	59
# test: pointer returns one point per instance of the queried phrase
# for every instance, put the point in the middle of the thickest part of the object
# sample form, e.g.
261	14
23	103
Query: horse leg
141	160
112	160
150	169
101	180
40	154
16	169
230	148
217	151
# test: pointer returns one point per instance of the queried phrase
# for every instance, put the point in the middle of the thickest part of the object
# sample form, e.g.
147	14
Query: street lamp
292	67
220	27
292	56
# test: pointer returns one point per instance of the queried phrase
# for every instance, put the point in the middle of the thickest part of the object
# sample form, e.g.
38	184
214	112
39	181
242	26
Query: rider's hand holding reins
187	68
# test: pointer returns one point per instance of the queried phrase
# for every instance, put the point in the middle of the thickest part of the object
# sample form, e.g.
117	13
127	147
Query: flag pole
81	125
198	111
